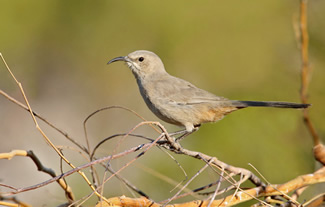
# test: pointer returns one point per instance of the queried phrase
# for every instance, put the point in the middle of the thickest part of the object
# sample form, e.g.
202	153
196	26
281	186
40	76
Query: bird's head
143	63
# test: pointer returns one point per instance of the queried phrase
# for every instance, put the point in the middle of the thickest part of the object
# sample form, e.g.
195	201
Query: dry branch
46	138
273	194
319	149
239	197
40	167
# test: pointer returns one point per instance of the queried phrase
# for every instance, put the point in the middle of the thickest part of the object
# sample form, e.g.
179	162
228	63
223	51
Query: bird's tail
244	104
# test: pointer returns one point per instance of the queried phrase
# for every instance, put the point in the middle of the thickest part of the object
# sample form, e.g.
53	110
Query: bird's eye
141	59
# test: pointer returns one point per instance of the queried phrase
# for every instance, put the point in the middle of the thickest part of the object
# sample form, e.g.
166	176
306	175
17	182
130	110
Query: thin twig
86	134
316	201
65	134
48	141
40	167
319	149
240	197
187	183
70	172
253	178
305	69
123	138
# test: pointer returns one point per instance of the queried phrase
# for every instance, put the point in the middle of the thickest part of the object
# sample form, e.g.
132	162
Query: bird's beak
121	58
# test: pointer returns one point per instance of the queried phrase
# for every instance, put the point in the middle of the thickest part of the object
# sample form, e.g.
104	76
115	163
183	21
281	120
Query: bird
179	102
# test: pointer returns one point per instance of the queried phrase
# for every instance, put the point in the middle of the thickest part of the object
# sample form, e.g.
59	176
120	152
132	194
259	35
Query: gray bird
179	102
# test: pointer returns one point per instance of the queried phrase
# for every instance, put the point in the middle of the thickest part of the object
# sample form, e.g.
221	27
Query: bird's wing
181	92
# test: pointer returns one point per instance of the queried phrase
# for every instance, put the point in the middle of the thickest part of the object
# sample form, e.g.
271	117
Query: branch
239	197
40	167
319	149
13	100
214	161
46	138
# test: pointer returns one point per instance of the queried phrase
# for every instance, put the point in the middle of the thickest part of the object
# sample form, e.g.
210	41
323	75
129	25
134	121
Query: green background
243	50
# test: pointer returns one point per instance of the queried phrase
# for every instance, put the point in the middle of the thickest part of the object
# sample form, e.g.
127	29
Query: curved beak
121	58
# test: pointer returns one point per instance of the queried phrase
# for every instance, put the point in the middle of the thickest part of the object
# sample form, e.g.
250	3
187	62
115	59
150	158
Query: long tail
244	104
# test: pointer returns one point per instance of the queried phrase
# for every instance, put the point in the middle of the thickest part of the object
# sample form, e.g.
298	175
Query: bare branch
40	167
319	149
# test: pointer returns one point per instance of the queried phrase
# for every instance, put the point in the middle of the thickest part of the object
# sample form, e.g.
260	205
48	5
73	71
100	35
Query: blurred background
244	50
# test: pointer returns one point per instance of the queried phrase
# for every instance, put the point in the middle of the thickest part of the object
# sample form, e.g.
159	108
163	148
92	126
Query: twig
285	195
165	178
40	167
100	160
253	178
141	154
114	136
16	203
319	150
138	148
316	201
48	141
215	193
65	134
300	181
86	134
188	182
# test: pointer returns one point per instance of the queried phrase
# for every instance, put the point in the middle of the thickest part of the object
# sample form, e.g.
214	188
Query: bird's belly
180	114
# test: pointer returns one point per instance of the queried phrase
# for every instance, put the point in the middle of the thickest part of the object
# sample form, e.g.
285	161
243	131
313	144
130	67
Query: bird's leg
183	131
186	133
165	140
174	142
170	142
